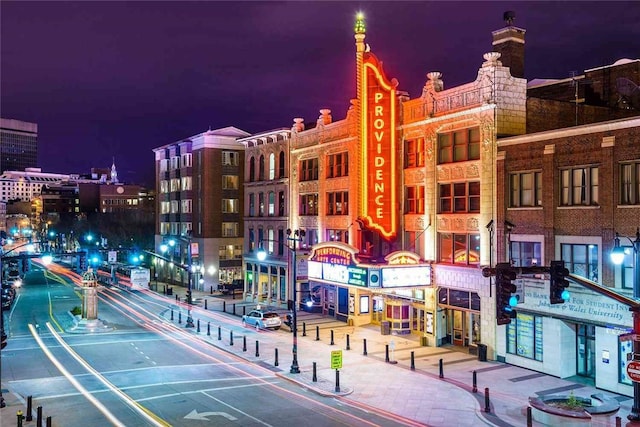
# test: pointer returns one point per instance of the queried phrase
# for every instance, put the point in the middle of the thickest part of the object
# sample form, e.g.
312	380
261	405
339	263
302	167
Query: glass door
586	350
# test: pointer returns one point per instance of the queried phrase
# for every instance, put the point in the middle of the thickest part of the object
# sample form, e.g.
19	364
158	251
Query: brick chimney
509	42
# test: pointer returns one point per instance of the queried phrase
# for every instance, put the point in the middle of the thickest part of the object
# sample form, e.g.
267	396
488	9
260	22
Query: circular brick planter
546	411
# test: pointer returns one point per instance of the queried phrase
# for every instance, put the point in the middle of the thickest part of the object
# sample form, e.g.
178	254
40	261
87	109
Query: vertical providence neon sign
378	148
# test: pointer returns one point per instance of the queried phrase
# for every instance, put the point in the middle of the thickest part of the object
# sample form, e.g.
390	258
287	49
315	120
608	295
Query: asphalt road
144	370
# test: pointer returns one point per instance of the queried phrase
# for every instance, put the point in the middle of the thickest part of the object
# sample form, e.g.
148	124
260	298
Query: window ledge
579	207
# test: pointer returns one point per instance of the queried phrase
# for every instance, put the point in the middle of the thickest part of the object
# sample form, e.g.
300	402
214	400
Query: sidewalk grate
559	389
527	377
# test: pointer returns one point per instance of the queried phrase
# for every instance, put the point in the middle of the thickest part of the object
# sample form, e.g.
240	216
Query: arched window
252	169
281	165
272	166
261	169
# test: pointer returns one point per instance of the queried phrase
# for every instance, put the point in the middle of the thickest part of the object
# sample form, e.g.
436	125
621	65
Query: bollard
257	349
331	343
29	408
164	289
179	317
205	304
487	407
413	362
337	381
441	369
48	421
198	326
172	314
39	416
529	417
276	362
386	353
230	337
475	382
364	351
234	309
208	329
244	310
244	343
315	374
304	329
210	290
219	333
618	422
177	297
224	306
348	346
20	417
317	333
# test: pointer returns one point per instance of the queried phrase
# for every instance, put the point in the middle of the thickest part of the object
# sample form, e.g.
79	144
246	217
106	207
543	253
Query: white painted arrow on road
194	415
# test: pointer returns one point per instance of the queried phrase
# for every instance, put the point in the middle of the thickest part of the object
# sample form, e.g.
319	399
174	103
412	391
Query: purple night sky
116	79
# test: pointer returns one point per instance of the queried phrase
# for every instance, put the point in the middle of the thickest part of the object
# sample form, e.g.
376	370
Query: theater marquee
379	148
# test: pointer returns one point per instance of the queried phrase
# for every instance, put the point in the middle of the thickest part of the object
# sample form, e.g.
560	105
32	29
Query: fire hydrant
20	417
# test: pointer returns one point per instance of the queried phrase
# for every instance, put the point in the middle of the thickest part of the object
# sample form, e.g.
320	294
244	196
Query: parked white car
262	319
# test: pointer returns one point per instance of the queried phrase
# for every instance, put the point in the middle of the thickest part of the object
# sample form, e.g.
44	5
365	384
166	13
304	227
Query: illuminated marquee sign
332	255
406	276
379	148
337	273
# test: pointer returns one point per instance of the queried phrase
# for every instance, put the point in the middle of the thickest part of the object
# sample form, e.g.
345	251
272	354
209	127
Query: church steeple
114	172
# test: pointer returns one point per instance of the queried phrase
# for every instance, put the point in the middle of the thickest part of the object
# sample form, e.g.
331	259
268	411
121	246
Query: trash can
423	341
482	352
385	328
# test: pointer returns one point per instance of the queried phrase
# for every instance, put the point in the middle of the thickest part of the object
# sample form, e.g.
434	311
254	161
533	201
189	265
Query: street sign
336	360
113	257
633	370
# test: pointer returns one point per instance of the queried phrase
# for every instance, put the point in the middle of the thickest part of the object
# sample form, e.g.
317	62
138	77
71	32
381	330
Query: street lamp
262	255
617	256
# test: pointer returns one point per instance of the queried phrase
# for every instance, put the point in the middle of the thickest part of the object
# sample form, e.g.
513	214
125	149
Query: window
230	205
186	183
252	204
174	206
261	168
186	206
310	238
225	252
337	236
526	189
252	169
630	183
174	184
272	166
338	203
414	201
230	182
309	204
272	203
337	165
581	259
460	197
309	170
414	153
271	241
260	204
281	203
459	146
230	158
281	165
626	268
459	248
579	187
252	239
230	229
525	254
524	336
165	207
186	160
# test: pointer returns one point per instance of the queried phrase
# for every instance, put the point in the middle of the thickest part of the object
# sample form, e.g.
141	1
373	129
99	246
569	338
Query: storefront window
625	349
524	336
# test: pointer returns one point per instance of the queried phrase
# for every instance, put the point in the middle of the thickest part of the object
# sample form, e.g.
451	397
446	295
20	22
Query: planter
550	410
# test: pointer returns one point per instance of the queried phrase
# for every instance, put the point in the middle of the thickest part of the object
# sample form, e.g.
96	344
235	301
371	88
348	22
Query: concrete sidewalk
414	384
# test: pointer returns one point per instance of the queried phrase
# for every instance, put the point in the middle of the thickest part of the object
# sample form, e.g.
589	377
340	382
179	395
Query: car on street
262	319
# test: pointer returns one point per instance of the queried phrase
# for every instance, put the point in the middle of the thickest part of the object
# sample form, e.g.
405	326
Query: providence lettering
379	160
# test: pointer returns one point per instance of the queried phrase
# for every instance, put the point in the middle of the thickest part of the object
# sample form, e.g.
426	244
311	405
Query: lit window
579	187
525	189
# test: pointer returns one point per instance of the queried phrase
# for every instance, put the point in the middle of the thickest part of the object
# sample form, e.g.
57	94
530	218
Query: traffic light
82	261
505	290
558	293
